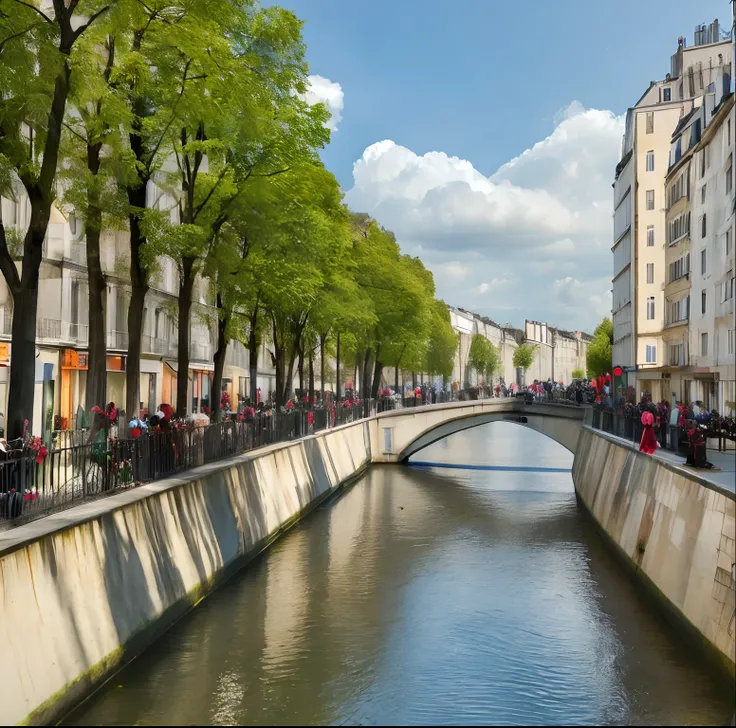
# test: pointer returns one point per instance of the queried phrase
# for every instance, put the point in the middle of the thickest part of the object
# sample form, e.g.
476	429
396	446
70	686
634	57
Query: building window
666	94
728	132
650	236
728	286
651	354
702	262
702	195
703	226
731	343
703	162
650	272
729	174
650	199
650	161
650	122
728	242
703	344
703	299
650	308
677	355
680	268
73	223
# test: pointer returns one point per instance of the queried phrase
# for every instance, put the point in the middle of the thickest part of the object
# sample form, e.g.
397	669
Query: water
427	596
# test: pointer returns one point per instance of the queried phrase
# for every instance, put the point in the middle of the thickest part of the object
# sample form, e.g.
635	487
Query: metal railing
79	466
117	340
670	437
47	328
155	345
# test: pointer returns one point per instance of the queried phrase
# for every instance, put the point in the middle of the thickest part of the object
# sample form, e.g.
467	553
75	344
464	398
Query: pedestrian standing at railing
648	442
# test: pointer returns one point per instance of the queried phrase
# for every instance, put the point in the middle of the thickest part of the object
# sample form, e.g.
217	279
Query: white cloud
543	217
330	93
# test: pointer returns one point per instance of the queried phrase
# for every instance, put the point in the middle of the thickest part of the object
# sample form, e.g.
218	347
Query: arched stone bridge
398	434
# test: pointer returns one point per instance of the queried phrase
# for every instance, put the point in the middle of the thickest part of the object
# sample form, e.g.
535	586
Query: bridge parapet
398	434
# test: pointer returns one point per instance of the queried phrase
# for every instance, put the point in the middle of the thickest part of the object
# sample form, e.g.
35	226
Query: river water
428	596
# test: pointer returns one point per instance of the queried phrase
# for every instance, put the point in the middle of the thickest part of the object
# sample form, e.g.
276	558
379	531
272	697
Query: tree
443	341
480	353
599	357
578	373
36	72
96	168
524	356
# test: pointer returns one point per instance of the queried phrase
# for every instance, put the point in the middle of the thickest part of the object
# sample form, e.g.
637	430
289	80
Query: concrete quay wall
85	590
675	529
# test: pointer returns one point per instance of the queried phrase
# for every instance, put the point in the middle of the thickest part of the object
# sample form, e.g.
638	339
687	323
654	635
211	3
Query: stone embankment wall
83	591
676	529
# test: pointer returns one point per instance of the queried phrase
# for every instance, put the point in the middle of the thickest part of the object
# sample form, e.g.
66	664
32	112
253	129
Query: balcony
6	320
49	329
77	253
155	345
78	333
200	352
117	340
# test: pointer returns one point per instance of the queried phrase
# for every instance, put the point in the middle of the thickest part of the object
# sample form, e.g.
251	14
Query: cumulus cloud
330	93
544	217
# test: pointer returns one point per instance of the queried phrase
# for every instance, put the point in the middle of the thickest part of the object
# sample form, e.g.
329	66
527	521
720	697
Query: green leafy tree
443	341
524	356
37	43
578	374
484	357
599	357
93	178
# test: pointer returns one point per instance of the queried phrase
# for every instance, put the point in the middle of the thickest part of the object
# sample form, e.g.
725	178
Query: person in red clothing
648	442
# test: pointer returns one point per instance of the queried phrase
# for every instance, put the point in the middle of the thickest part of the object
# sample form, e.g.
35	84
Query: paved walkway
726	461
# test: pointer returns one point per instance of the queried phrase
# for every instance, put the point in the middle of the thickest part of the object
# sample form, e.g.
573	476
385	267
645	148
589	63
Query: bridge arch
402	433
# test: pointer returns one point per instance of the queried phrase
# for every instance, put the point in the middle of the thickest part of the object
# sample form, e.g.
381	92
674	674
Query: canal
427	595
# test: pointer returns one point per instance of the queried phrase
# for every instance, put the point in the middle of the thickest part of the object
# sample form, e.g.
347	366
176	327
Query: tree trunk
279	356
365	386
96	393
24	288
322	343
337	367
311	377
22	362
253	365
186	285
377	373
222	322
301	372
138	283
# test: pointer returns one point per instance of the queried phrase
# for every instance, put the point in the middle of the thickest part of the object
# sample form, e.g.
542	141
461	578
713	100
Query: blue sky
455	91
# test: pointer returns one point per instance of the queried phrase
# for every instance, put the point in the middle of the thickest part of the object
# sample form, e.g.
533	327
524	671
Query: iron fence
80	465
670	437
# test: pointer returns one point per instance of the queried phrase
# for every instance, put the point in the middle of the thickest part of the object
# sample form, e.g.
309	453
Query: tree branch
173	116
76	133
35	9
16	35
7	264
84	27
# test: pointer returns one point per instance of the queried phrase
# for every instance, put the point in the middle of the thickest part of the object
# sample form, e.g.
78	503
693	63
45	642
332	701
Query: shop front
73	388
200	389
116	380
151	384
168	388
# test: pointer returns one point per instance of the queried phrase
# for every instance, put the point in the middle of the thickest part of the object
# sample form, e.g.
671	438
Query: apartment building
642	213
62	325
558	353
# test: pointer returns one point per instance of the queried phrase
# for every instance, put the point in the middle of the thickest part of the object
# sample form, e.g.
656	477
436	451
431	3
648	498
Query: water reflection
426	597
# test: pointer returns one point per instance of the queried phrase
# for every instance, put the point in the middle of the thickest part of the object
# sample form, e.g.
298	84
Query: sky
485	134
